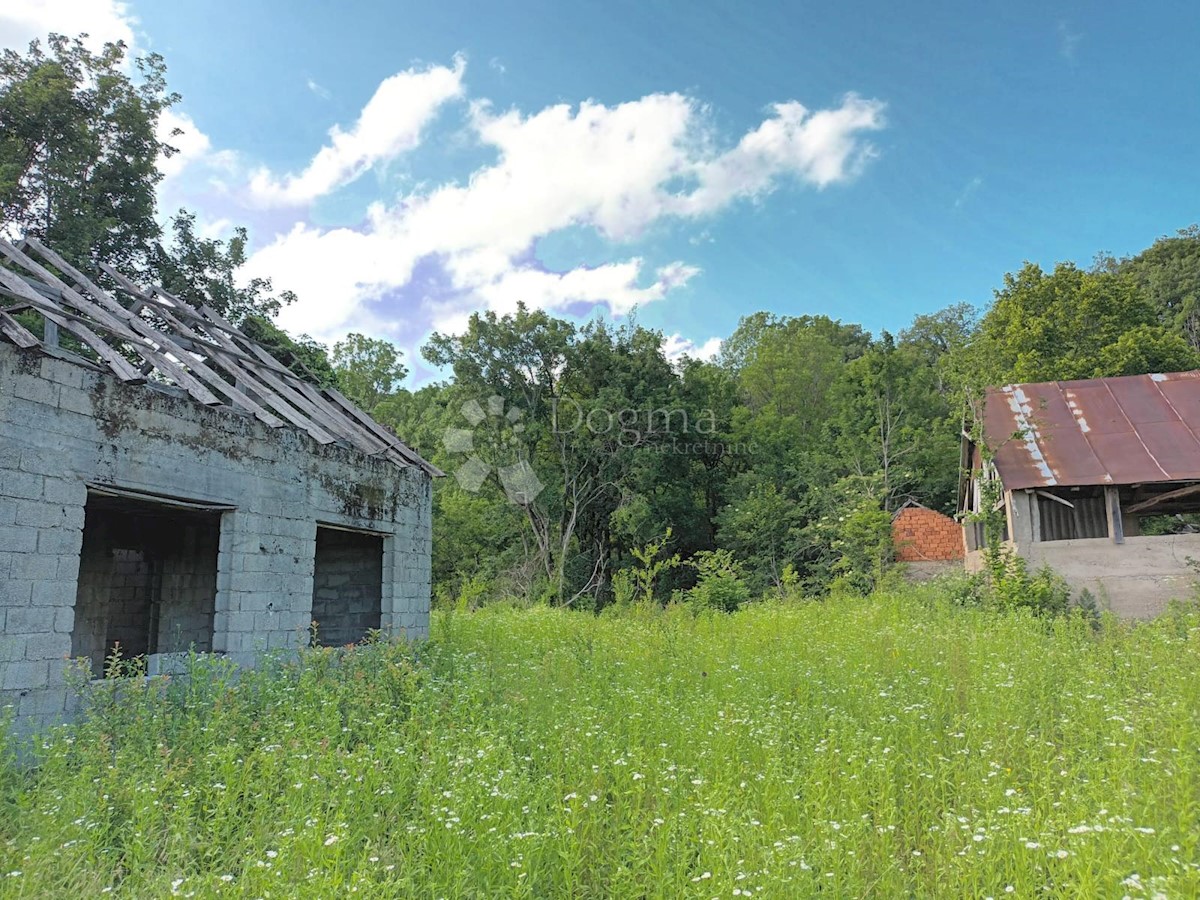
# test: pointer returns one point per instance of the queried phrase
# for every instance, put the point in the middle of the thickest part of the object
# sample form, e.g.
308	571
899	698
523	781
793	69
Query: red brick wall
923	534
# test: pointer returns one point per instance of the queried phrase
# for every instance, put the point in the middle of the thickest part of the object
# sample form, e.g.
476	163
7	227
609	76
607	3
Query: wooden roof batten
195	349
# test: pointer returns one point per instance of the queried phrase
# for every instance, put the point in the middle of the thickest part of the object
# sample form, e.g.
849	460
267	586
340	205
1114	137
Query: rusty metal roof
1126	430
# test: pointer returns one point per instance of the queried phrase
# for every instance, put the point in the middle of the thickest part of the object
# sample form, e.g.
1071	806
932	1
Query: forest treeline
584	466
778	462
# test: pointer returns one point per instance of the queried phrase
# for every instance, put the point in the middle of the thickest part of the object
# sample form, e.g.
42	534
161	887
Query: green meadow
894	746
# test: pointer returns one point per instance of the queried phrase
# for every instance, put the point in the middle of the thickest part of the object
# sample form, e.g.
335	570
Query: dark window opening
1179	523
1168	508
147	580
347	586
1073	515
977	533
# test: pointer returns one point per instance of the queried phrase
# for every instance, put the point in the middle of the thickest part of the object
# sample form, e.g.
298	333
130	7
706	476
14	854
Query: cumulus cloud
102	20
820	148
676	347
391	123
191	144
619	170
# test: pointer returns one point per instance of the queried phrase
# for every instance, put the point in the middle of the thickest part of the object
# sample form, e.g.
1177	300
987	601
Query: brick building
166	485
928	541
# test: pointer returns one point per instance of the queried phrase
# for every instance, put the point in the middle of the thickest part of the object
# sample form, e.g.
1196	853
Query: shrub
720	583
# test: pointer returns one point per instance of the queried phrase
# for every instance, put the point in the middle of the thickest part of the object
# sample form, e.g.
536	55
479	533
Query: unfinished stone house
166	485
1099	479
928	543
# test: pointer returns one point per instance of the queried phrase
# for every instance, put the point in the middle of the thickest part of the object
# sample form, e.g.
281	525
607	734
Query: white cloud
317	89
390	123
617	169
676	347
820	148
613	284
335	272
191	145
22	21
217	229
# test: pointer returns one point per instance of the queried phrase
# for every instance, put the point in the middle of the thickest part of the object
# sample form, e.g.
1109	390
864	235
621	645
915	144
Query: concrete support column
1023	523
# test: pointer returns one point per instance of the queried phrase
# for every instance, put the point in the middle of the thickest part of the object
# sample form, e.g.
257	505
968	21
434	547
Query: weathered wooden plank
1112	506
1055	498
171	314
148	343
67	294
18	333
195	339
357	435
281	379
228	357
158	352
313	422
1152	502
120	366
394	443
270	389
256	352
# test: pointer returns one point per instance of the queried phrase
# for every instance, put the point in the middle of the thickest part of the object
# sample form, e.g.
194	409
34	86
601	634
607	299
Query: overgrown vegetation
894	746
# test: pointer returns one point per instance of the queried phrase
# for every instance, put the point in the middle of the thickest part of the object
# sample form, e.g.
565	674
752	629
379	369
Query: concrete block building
1099	480
166	485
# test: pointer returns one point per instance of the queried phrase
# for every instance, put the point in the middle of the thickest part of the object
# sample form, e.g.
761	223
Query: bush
720	585
1013	586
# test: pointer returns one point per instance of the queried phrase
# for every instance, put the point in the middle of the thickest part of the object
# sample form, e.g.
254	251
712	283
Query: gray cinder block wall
65	427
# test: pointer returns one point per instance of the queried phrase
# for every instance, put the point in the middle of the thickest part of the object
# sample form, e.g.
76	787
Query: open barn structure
167	486
1100	480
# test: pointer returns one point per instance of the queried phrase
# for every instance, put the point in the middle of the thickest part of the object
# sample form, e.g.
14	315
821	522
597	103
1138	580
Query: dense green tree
1068	324
1168	275
368	369
79	149
595	417
893	418
203	271
477	533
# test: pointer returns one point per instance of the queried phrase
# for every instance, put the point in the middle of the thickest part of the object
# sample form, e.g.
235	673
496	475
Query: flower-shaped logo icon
493	444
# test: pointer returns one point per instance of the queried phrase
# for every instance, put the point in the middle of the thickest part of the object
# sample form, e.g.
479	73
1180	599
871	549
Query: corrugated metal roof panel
1126	430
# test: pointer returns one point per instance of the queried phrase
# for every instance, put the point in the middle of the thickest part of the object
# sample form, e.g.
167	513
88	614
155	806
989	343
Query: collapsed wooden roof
156	337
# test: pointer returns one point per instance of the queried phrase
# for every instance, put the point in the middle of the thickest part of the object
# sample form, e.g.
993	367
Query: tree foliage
80	146
369	370
203	271
814	430
79	149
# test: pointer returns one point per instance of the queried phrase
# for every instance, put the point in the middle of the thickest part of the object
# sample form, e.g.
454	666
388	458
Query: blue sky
868	161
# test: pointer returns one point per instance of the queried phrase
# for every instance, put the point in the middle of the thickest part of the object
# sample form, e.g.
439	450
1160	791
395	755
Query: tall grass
886	747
